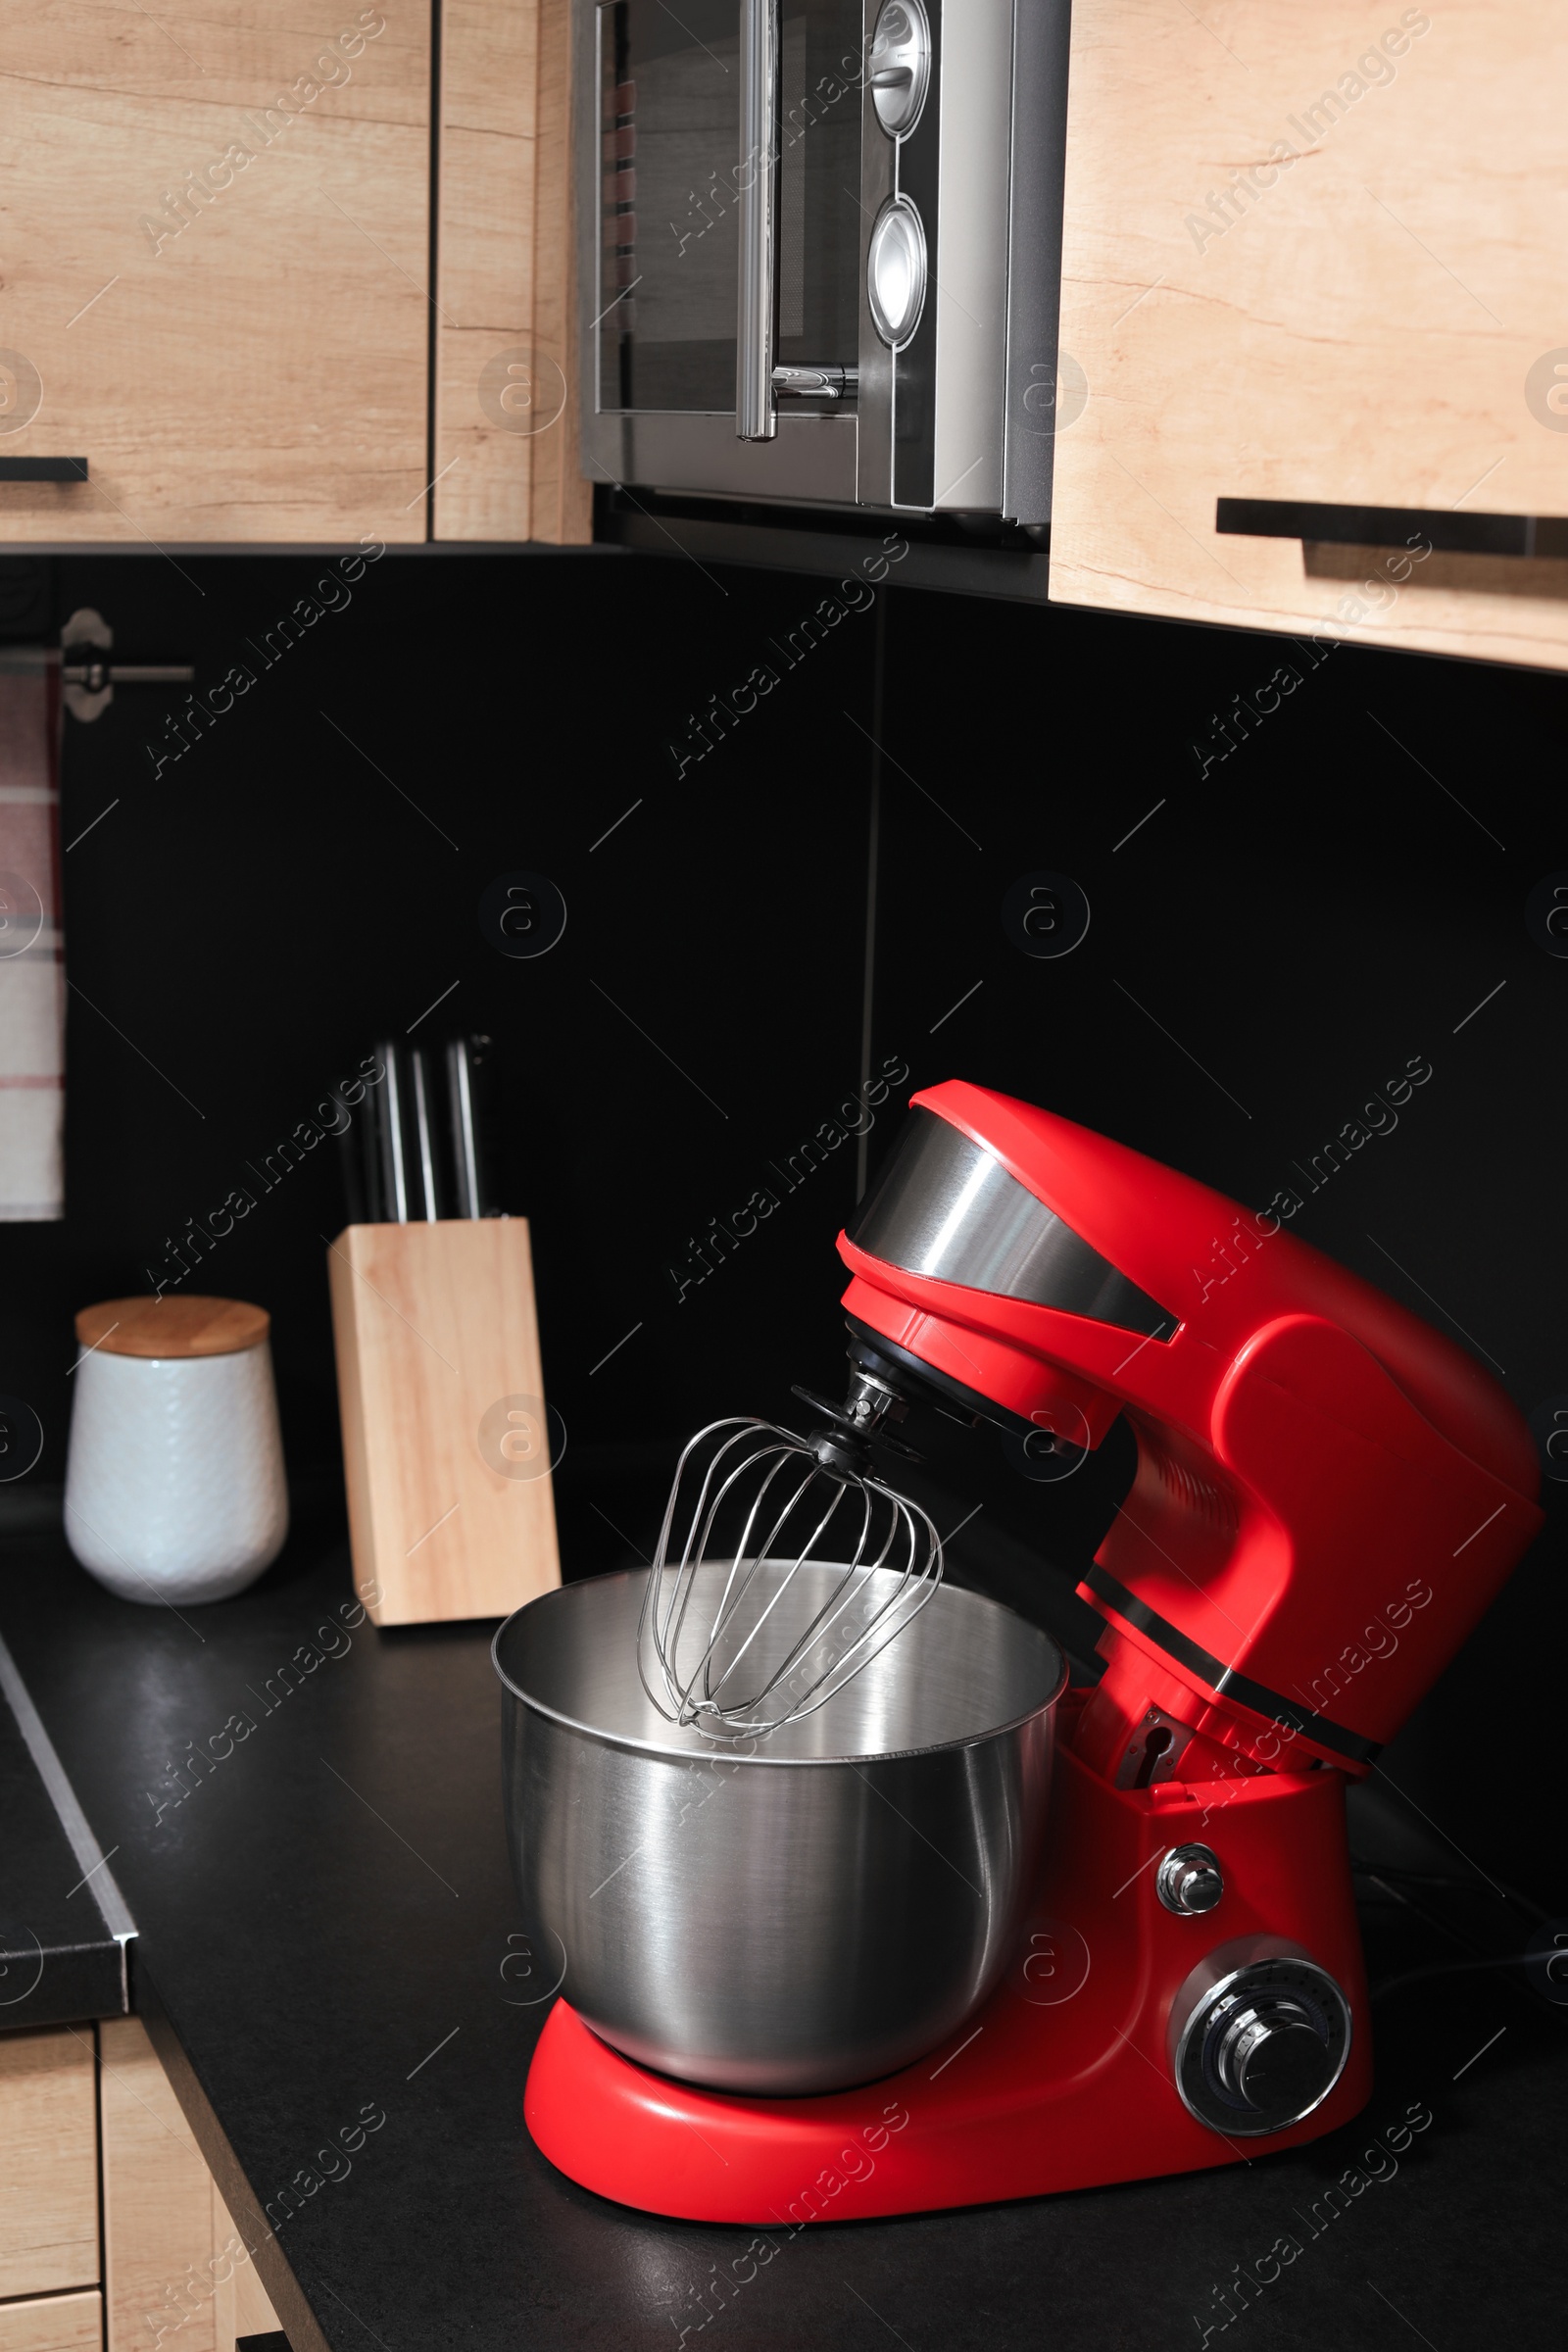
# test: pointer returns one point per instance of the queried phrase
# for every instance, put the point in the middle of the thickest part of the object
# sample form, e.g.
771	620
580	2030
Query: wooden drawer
48	2163
1315	255
52	2324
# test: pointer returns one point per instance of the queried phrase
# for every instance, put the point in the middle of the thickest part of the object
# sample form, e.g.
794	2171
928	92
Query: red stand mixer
1328	1495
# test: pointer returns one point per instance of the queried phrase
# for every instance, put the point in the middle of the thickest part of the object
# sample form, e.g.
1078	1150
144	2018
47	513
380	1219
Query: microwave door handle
754	418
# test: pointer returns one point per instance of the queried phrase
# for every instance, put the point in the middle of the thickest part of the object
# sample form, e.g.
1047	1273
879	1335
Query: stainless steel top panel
946	1209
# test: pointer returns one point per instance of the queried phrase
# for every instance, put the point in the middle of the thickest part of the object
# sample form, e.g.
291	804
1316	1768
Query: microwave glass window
668	236
820	237
669	168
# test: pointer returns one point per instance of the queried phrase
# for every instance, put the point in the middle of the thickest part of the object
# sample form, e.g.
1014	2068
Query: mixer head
1325	1485
763	1502
1328	1491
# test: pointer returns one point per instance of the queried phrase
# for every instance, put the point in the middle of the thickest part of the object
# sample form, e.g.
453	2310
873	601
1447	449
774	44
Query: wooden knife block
446	1447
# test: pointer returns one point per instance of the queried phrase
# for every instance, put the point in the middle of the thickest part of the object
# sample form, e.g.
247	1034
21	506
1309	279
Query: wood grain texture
1289	273
241	2304
436	1335
177	2271
243	362
183	1326
48	2162
507	450
563	509
52	2324
484	277
158	2202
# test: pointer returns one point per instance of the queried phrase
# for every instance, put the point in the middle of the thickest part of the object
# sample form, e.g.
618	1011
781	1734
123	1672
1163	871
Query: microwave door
686	152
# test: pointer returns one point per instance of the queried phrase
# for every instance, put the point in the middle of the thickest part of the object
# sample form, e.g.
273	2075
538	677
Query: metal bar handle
755	417
43	470
1444	532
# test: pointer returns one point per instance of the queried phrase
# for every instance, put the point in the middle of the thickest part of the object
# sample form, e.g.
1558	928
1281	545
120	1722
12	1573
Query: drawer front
48	2163
52	2324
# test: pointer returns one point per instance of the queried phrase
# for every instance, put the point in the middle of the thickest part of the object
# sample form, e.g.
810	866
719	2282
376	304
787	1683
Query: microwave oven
819	248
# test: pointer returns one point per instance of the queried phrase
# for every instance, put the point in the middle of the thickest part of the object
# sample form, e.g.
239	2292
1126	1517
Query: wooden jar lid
172	1327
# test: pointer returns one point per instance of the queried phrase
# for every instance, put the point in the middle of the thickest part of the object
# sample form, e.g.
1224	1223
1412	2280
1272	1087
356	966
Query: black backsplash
1283	910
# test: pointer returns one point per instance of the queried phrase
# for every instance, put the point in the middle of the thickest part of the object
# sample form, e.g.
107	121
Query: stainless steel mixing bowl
795	1914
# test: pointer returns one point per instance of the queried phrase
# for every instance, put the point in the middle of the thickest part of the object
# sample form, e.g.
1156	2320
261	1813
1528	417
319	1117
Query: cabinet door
506	463
48	2162
174	2264
214	237
1316	254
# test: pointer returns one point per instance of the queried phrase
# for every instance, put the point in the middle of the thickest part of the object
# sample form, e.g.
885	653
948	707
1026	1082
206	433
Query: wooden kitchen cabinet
1315	255
48	2163
215	262
506	445
87	2123
214	248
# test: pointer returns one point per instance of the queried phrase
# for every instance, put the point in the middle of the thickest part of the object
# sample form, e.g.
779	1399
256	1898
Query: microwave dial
895	271
901	64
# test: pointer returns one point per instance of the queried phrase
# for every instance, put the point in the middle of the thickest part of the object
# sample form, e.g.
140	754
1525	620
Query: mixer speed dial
1259	2039
1271	2055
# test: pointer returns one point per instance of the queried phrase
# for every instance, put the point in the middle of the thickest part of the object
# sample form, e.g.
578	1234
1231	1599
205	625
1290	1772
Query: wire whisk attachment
781	1572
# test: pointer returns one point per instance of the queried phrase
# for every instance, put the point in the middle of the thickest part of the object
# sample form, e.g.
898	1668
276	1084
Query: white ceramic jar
174	1485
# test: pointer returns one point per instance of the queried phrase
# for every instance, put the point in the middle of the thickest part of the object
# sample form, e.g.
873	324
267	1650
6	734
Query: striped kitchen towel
33	979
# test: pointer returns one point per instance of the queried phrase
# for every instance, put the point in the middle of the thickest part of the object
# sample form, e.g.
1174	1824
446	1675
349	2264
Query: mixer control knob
1271	2056
1189	1879
1258	2045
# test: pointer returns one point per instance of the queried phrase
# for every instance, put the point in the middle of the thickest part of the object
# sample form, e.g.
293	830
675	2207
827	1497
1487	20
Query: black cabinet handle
43	470
1442	529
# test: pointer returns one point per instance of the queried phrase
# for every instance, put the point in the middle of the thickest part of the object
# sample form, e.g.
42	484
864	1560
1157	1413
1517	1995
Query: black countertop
321	1915
61	1958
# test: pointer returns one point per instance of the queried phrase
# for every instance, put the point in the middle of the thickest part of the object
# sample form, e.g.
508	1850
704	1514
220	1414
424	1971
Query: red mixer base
1062	2080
